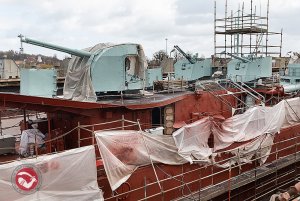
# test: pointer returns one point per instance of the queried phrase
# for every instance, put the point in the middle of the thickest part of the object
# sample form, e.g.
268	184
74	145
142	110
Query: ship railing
287	148
234	90
179	177
244	88
241	106
93	127
279	153
169	84
123	124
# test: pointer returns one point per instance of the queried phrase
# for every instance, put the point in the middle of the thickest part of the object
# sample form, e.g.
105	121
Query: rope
109	122
170	176
158	182
292	109
107	129
63	135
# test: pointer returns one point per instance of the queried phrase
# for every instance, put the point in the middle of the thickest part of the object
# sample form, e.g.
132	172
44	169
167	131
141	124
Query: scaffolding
244	34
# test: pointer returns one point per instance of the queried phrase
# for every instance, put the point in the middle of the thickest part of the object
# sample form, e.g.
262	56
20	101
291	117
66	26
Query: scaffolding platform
243	179
247	30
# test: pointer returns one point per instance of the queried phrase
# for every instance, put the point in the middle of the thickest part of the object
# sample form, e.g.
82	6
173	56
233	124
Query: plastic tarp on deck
124	151
70	175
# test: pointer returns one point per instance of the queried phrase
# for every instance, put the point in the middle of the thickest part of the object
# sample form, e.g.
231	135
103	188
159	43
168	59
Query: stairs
233	89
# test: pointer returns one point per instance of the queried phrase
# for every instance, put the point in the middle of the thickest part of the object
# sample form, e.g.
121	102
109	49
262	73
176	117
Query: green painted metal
108	70
79	53
38	82
240	71
192	71
243	59
153	74
291	82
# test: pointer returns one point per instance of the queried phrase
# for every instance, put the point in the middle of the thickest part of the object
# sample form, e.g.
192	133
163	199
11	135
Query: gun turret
79	53
188	57
237	57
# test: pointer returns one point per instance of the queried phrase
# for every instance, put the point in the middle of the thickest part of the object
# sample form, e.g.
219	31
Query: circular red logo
26	179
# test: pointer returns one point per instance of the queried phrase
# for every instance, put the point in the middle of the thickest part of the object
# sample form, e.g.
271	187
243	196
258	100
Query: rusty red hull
180	181
175	181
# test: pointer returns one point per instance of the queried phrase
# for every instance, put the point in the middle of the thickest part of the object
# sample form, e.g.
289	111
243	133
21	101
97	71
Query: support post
24	119
280	42
1	122
215	26
123	122
35	146
267	33
78	133
49	131
93	135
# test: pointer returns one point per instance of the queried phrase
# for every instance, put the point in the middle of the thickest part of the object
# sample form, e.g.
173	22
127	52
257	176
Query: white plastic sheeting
255	122
78	84
259	147
192	140
30	136
124	151
70	175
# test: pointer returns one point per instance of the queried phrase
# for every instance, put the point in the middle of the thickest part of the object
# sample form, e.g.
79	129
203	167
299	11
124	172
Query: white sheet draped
68	176
124	151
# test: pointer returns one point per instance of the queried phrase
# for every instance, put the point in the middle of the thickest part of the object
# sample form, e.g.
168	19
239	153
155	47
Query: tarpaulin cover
70	175
259	147
30	136
78	82
124	151
256	121
192	140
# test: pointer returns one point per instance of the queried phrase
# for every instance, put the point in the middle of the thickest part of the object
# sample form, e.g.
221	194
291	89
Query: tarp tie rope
158	182
292	109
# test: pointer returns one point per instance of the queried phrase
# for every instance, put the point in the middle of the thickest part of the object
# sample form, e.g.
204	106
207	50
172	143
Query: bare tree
159	55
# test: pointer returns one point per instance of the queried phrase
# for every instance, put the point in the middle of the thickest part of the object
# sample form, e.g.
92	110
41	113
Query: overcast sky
80	24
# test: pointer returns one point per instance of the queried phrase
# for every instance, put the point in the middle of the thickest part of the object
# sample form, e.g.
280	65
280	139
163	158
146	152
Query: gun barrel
80	53
184	54
237	57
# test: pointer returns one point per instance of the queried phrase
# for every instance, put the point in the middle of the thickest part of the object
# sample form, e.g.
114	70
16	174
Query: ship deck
131	102
138	101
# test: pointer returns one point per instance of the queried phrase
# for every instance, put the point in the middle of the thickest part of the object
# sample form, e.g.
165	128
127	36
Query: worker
29	139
